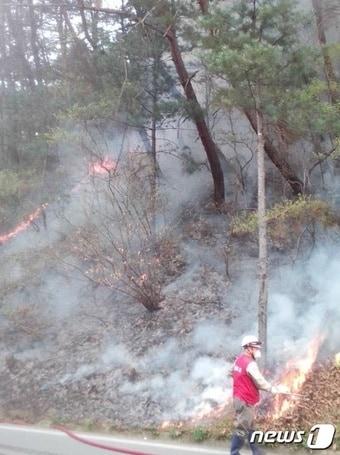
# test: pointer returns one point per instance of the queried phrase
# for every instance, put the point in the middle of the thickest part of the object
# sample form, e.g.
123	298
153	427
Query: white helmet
252	341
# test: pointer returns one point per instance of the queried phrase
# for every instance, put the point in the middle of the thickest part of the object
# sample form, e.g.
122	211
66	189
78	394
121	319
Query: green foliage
59	135
102	108
14	183
200	434
25	117
308	108
175	433
286	215
262	58
333	50
121	70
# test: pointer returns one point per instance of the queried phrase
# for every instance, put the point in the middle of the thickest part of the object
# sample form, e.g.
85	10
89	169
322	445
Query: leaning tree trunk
262	236
273	154
209	145
277	158
198	116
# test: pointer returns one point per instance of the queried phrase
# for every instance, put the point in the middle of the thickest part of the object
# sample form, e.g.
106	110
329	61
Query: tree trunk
198	117
262	230
274	155
277	158
89	38
18	46
204	6
145	138
83	53
3	77
328	65
34	42
153	182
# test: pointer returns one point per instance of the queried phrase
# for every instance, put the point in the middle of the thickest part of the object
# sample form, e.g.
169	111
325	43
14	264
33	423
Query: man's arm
260	381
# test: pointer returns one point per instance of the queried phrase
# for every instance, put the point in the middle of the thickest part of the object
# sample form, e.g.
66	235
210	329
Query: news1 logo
320	436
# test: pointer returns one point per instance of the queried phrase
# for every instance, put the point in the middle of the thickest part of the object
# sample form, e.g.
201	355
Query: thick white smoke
189	374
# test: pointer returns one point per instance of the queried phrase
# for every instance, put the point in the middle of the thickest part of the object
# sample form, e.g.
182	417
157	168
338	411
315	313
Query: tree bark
262	230
153	182
85	26
83	53
34	42
3	77
18	46
273	154
328	65
277	158
209	145
198	116
204	6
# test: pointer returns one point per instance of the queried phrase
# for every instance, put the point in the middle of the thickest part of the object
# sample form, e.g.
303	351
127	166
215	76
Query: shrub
199	434
286	219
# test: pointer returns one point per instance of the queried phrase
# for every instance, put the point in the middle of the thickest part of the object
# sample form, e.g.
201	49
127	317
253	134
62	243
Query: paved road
20	440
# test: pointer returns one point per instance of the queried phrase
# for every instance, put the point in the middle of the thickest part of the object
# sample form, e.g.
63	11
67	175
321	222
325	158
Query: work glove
280	388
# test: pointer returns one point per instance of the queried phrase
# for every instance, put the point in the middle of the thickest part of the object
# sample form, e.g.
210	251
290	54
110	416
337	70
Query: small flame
294	376
165	424
171	424
103	166
24	225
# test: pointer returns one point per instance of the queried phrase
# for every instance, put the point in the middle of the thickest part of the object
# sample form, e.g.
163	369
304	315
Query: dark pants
244	426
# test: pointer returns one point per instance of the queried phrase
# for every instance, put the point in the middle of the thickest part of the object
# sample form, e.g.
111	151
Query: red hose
95	444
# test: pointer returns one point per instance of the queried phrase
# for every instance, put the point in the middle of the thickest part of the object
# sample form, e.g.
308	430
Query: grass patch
200	434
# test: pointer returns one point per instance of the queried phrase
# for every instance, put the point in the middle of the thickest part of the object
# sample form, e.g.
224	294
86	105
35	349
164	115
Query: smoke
182	381
116	356
186	375
304	301
211	337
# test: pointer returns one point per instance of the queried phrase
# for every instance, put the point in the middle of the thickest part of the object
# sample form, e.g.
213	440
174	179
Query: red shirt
244	387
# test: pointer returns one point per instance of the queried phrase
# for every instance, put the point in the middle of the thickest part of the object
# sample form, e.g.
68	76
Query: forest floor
108	364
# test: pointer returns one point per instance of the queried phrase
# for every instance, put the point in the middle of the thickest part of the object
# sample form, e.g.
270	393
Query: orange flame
25	224
202	413
103	166
294	376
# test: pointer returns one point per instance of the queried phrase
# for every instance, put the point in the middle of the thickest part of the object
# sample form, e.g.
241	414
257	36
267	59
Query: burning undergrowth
99	167
318	401
171	366
294	376
314	384
24	224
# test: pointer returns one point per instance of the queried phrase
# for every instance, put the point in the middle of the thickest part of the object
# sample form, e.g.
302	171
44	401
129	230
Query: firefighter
247	382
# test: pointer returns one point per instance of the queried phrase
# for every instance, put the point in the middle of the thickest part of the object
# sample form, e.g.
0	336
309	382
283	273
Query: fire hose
95	444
